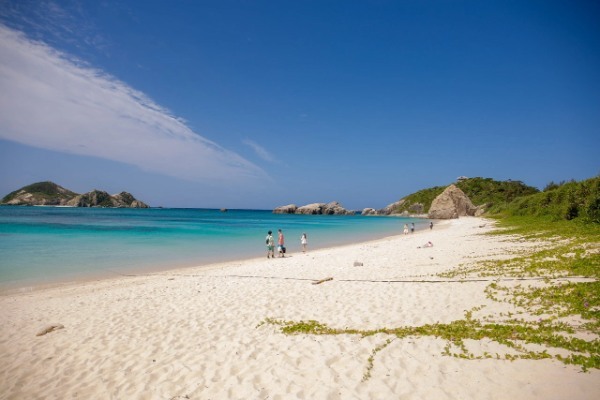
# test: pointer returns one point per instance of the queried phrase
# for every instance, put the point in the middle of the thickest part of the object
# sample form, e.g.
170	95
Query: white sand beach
198	333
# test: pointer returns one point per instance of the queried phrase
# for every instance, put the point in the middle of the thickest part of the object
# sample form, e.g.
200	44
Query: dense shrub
567	201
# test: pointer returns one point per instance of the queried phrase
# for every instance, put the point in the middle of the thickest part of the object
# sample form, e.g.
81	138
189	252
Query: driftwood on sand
322	280
49	328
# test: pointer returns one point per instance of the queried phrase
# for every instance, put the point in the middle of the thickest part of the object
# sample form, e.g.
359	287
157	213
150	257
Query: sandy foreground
197	333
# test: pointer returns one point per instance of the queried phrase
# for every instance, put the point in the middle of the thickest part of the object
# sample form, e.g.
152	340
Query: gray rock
369	211
311	209
390	208
99	198
451	203
289	209
333	208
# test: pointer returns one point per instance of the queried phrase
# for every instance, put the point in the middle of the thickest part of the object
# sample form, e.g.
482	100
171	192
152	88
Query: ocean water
47	245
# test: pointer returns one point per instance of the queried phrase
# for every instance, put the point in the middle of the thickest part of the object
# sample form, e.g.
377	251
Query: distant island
51	194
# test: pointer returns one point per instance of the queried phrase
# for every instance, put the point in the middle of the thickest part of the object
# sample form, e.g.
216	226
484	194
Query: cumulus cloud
51	101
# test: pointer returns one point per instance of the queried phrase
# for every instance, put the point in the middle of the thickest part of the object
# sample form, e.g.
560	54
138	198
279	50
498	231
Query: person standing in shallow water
281	244
431	225
303	242
270	245
412	227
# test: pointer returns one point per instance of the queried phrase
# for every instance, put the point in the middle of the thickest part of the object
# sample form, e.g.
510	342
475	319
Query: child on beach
281	244
270	245
303	241
405	229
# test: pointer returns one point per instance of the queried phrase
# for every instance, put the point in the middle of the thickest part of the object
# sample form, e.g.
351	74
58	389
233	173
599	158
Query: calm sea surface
42	245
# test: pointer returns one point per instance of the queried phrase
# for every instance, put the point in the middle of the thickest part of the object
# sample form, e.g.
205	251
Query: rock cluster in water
333	208
51	194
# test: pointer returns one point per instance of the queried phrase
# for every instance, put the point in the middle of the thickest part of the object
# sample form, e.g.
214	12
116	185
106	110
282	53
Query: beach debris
322	280
358	264
50	328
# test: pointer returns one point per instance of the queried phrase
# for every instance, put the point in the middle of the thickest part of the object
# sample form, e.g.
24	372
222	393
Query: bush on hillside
491	192
568	201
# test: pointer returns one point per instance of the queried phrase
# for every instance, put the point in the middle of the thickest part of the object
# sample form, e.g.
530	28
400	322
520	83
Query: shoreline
200	332
113	273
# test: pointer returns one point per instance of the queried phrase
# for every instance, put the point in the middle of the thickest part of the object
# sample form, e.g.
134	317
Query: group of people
412	227
270	241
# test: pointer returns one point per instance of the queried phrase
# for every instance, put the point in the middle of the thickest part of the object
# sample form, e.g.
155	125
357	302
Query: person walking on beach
281	244
270	245
412	227
303	241
431	225
406	229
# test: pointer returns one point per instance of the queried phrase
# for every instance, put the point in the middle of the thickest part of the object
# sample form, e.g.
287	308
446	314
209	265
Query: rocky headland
51	194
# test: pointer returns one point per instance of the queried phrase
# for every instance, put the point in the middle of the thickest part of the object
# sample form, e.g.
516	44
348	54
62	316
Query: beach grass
556	317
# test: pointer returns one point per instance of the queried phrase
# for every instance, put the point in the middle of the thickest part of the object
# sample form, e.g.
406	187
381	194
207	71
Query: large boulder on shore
451	203
389	209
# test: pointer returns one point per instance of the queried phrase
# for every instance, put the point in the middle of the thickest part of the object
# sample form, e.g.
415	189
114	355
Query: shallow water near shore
48	245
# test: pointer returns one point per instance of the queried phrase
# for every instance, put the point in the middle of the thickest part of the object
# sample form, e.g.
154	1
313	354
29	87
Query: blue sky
256	104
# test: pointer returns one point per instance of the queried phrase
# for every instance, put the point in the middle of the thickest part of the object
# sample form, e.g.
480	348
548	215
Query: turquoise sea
47	245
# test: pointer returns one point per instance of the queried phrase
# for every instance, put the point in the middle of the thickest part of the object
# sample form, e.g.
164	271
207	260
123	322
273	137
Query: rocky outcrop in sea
333	208
51	194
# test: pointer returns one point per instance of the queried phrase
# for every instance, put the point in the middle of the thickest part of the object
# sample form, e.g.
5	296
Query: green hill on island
51	194
481	191
48	193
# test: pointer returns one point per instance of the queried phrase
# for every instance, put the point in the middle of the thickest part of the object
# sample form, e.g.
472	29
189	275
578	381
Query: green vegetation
552	290
480	190
50	191
424	197
566	201
492	192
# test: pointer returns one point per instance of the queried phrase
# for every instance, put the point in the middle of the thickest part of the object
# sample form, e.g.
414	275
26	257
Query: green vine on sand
557	319
514	334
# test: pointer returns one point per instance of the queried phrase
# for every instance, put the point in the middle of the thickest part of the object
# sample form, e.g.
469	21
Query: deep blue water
40	245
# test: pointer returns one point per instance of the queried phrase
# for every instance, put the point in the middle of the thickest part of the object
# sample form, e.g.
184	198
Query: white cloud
260	151
50	101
